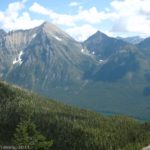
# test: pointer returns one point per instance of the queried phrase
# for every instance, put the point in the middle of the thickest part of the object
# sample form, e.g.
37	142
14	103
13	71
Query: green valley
28	119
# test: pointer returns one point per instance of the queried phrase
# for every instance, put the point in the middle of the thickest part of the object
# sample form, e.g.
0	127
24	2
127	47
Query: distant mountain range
132	40
106	74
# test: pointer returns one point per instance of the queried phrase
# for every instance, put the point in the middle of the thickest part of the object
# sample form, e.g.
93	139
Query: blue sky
79	18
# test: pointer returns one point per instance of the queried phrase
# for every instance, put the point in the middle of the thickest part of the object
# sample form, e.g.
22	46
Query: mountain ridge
112	76
99	44
132	39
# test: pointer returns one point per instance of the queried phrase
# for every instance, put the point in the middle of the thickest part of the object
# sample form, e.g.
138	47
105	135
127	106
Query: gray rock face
43	57
12	46
2	33
103	46
116	57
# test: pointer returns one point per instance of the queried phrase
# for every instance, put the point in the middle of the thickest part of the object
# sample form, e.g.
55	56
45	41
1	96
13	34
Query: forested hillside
27	119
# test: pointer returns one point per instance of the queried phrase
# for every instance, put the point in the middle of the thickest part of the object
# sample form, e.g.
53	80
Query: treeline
27	119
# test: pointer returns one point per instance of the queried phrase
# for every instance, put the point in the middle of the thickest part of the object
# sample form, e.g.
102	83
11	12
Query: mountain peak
49	26
46	22
100	34
97	37
52	30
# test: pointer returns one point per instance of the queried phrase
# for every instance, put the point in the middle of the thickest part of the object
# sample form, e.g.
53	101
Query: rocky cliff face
104	46
43	57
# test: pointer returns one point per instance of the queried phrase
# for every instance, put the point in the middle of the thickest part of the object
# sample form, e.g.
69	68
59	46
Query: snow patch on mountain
18	59
82	50
85	51
57	38
93	53
34	35
101	60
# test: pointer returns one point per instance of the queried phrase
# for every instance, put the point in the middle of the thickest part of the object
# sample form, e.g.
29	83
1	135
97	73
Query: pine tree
26	135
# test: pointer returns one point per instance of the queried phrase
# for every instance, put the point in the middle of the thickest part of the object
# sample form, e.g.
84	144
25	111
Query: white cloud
1	16
39	9
132	16
86	17
90	15
123	16
22	22
61	19
107	32
13	18
73	4
126	17
81	33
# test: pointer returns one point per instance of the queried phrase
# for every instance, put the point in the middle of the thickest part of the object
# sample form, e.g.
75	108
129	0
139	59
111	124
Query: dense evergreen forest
37	123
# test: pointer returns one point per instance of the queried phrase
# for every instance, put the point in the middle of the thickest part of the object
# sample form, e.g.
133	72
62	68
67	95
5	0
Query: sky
79	18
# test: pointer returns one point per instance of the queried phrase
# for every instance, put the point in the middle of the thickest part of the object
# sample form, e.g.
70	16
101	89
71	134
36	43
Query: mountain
117	67
122	73
112	77
44	57
145	44
132	40
103	46
35	122
116	57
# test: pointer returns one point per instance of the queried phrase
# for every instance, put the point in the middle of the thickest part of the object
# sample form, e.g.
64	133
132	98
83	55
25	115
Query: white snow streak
18	59
57	38
34	35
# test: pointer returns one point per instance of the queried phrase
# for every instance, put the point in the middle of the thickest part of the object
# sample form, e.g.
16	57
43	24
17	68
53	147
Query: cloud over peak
13	18
90	15
119	17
